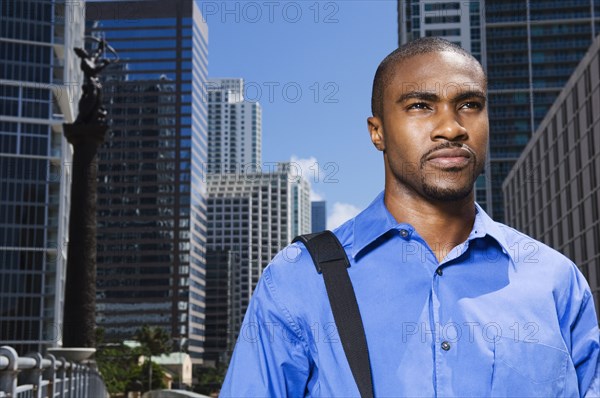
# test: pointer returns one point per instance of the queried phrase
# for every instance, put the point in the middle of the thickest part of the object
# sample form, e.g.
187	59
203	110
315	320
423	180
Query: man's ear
376	132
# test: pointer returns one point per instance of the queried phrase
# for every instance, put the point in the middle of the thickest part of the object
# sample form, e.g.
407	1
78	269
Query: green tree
143	374
154	341
210	379
118	365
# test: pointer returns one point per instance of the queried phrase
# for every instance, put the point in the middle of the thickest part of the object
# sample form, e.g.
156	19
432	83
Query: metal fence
32	376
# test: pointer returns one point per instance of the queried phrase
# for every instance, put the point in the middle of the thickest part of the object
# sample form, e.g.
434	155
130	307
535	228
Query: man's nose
448	126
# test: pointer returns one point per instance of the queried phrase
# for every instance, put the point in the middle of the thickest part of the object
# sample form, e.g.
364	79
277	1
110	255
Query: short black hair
423	45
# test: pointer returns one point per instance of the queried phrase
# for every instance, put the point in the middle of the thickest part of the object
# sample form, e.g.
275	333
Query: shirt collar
376	220
372	223
484	225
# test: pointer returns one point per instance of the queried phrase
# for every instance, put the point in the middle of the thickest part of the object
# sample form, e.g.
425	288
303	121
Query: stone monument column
80	290
86	134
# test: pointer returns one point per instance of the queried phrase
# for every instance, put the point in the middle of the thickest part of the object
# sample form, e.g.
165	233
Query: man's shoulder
525	250
293	281
294	261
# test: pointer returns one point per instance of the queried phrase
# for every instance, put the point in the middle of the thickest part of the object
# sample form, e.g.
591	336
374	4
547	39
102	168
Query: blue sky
310	64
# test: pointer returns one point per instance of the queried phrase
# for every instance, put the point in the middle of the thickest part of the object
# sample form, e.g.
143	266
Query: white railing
32	376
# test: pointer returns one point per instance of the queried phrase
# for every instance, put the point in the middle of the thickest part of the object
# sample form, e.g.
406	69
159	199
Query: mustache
446	145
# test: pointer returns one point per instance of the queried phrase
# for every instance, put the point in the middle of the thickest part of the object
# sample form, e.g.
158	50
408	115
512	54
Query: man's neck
443	225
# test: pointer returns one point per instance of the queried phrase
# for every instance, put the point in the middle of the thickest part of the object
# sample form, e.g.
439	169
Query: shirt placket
445	349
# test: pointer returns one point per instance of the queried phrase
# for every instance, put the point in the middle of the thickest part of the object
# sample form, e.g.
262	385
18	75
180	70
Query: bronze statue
86	134
91	110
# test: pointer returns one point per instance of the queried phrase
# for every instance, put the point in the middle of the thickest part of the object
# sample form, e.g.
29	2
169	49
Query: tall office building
234	127
532	47
222	303
151	206
553	191
529	49
251	215
318	216
39	77
301	208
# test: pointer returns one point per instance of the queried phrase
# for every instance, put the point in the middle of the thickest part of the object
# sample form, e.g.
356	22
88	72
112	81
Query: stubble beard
454	193
446	194
436	192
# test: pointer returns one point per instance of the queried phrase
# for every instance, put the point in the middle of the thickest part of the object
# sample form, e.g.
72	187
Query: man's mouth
450	158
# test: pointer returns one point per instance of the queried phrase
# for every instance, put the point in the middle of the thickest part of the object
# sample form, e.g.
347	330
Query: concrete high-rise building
553	191
301	209
318	216
253	215
234	127
39	80
151	197
457	21
528	48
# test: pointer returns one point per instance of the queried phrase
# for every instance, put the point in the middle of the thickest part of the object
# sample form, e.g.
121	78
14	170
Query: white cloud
311	171
315	196
341	212
308	168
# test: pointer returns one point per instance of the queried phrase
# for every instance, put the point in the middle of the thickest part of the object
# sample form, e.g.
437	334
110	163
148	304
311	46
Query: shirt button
445	346
403	233
439	271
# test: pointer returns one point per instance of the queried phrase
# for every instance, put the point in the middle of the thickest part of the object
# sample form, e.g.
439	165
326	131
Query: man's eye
472	105
418	105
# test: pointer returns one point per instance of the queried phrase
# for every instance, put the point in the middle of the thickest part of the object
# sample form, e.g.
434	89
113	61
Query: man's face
434	129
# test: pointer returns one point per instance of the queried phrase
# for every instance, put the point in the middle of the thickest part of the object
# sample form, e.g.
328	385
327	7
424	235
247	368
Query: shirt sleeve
585	350
584	333
594	388
269	359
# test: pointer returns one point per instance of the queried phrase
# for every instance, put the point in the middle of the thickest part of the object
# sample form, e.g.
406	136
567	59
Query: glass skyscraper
151	207
39	77
318	216
532	48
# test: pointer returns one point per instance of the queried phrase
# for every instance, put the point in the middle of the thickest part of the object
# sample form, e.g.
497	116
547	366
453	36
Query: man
453	304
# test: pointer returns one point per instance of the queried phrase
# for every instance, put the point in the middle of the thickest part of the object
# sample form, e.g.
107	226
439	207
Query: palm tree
154	341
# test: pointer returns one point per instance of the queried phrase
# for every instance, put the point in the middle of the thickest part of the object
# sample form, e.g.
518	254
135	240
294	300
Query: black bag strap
330	259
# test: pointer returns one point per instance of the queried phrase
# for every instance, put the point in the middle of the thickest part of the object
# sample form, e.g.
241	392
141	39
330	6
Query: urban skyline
314	169
251	217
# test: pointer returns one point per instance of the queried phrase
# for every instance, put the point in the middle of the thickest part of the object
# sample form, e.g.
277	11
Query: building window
442	6
443	19
442	32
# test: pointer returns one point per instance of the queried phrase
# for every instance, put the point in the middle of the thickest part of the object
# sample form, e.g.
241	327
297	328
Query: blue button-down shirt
501	315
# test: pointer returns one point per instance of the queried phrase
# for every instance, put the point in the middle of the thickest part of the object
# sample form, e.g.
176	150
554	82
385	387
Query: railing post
34	375
77	368
62	376
50	375
8	377
81	380
85	381
76	375
72	372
